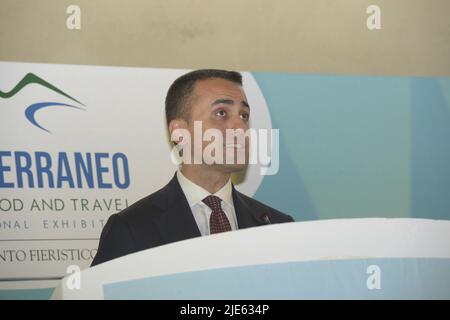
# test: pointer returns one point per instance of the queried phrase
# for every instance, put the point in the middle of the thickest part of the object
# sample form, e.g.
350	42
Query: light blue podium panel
327	259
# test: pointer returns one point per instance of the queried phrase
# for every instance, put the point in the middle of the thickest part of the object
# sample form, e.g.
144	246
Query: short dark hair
180	92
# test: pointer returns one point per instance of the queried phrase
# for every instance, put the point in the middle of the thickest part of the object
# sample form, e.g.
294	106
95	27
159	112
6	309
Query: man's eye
245	116
221	113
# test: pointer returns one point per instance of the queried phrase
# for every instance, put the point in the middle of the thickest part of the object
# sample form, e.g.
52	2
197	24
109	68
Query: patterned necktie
218	222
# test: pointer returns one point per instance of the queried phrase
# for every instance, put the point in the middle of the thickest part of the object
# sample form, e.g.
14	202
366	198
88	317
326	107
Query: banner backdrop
79	143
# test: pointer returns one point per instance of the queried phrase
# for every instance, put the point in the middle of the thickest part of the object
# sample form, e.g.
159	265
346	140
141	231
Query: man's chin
230	168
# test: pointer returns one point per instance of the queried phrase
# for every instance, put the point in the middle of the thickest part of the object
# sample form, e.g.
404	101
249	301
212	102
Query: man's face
221	104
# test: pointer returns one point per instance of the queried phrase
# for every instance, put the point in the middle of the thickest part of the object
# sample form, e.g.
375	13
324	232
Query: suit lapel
246	214
177	222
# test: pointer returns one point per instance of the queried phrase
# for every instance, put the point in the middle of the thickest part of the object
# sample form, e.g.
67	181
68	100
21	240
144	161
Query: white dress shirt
202	213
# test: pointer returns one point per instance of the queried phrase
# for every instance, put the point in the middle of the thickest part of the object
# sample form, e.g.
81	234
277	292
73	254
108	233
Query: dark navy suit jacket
165	216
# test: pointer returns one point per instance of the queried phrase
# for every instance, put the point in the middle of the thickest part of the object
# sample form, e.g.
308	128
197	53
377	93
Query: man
200	199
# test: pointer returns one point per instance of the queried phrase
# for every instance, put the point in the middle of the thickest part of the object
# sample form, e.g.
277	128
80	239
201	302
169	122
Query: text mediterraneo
39	169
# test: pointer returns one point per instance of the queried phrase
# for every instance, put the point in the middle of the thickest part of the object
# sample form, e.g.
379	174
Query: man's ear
176	129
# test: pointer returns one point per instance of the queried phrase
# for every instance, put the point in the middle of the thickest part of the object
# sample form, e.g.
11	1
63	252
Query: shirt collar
195	194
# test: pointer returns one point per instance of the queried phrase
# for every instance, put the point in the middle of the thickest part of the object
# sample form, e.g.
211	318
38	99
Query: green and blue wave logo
31	110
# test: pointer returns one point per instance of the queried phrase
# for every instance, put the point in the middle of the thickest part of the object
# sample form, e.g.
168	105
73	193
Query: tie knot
213	202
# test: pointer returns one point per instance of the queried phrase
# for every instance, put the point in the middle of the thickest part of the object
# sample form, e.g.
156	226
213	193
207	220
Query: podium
370	258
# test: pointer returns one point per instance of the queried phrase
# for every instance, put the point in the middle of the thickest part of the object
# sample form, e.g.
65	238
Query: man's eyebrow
229	102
